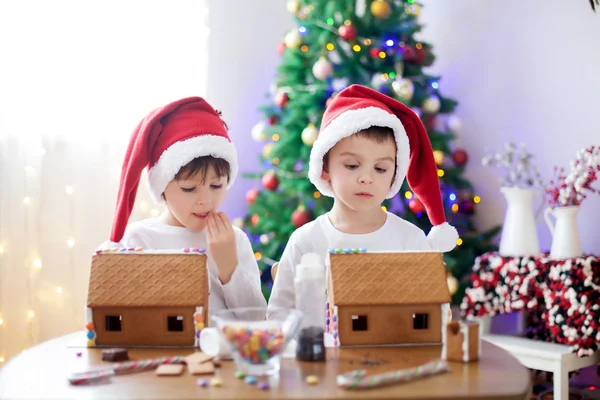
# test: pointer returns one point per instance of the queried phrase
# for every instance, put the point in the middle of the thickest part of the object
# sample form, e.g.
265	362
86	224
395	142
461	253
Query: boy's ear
325	175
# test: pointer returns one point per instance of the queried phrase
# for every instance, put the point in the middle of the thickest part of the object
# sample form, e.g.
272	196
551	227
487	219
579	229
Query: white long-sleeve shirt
320	235
242	290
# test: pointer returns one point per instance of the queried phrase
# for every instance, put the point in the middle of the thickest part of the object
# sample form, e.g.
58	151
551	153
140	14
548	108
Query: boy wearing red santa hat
367	143
191	163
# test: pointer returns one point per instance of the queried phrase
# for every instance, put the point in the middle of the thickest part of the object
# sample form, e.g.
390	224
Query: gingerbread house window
420	321
113	323
359	323
175	323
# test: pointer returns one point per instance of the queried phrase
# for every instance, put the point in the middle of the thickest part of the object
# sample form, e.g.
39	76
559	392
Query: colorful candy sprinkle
78	354
312	379
262	385
255	346
250	380
240	375
202	382
216	382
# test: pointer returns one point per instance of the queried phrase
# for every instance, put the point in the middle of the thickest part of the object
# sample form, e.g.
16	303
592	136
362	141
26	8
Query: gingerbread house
147	298
392	298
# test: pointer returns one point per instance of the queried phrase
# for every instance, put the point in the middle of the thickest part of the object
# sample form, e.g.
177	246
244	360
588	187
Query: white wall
242	63
524	71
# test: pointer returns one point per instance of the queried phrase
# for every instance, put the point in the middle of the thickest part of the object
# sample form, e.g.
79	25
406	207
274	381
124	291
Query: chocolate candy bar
115	355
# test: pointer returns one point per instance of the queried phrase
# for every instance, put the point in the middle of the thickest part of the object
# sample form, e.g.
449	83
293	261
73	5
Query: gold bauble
293	6
452	284
438	156
293	39
267	150
310	134
380	9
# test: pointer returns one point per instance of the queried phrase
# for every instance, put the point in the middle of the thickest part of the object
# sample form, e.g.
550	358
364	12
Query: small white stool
543	356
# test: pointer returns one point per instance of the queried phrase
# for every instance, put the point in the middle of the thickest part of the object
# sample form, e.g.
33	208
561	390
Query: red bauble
281	99
281	48
254	220
421	55
416	206
300	217
270	181
375	52
460	157
347	32
467	207
430	121
251	195
409	53
273	119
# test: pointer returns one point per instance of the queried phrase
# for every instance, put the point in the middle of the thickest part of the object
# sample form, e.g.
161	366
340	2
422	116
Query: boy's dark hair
202	165
379	134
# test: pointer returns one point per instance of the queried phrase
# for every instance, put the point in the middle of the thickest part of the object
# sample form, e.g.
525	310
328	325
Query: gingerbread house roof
388	279
148	280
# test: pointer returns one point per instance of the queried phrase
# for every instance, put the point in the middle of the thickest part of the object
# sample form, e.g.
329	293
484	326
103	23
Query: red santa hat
357	108
164	141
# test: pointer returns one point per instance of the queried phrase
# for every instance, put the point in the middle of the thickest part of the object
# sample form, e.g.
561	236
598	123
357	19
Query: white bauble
403	88
258	132
431	105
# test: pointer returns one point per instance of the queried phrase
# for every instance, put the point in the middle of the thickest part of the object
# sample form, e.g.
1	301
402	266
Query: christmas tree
337	43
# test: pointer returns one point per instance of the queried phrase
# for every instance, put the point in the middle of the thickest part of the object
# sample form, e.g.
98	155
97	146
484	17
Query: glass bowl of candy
256	342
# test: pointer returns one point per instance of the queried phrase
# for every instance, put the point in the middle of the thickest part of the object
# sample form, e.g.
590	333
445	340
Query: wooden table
40	373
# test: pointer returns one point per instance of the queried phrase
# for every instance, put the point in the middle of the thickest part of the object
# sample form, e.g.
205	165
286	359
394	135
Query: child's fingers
212	230
219	223
226	222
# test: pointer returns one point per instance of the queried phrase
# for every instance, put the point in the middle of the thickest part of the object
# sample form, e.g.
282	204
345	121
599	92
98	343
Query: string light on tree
439	157
59	290
27	200
1	321
70	243
30	314
69	190
37	263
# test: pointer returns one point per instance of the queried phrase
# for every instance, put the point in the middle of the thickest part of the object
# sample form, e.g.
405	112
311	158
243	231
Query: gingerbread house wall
144	326
389	324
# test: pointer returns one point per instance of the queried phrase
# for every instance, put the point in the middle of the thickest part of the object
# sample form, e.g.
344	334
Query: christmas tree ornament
251	195
239	222
421	56
293	39
431	105
467	207
403	88
374	52
258	132
347	31
266	152
378	81
264	239
416	205
399	68
452	284
322	69
412	9
460	157
281	48
270	181
409	53
439	157
454	124
430	121
293	6
281	99
310	134
380	9
300	217
254	220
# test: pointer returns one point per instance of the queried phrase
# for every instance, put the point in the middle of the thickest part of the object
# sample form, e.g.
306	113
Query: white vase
519	235
565	235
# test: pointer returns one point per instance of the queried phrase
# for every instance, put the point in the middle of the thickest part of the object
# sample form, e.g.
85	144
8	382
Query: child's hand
222	245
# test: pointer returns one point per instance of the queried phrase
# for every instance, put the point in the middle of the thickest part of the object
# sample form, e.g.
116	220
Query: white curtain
75	78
